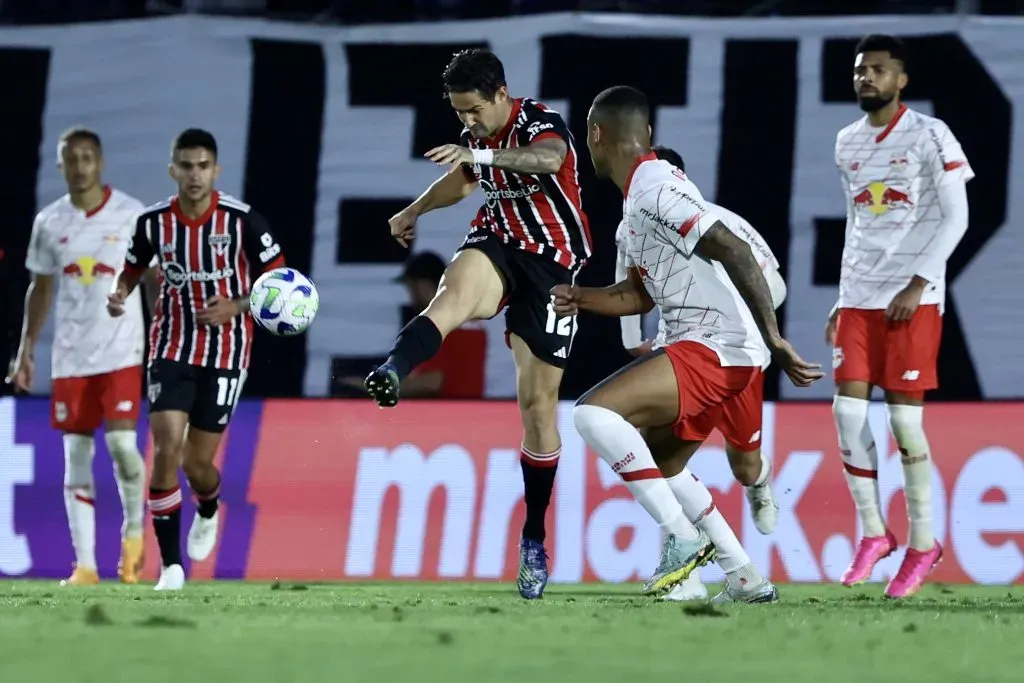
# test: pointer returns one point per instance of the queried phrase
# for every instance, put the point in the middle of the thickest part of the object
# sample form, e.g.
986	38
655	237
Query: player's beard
870	103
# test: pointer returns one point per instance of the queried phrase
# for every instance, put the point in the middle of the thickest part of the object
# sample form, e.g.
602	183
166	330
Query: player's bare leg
168	427
471	289
644	394
130	473
80	504
860	459
537	385
744	582
906	419
204	479
754	471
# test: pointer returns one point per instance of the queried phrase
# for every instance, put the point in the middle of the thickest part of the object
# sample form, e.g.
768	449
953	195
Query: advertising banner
341	490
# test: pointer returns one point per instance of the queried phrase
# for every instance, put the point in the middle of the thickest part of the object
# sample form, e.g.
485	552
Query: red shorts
81	404
712	396
901	357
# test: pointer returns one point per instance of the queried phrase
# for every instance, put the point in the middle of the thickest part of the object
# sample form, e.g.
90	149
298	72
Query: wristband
483	157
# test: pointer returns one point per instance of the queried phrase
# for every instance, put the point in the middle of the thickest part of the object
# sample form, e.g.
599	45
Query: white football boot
202	537
692	589
171	578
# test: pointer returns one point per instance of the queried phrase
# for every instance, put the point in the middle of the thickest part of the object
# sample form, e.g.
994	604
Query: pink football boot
870	551
917	565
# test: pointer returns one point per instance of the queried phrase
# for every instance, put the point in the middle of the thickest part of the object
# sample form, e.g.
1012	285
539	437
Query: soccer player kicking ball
211	248
905	177
530	235
79	242
720	324
740	423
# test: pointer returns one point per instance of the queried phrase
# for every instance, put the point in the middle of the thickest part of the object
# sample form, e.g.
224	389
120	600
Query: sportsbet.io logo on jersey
493	194
177	277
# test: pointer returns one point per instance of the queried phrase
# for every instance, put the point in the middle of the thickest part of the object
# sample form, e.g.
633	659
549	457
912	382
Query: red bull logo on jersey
87	270
878	198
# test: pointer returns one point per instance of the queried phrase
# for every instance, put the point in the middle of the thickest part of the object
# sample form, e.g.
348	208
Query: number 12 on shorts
563	327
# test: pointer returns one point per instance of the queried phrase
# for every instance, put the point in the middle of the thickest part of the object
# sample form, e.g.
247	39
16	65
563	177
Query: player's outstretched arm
722	245
544	157
628	297
448	190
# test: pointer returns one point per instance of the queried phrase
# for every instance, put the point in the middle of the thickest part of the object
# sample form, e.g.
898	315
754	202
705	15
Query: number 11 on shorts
226	389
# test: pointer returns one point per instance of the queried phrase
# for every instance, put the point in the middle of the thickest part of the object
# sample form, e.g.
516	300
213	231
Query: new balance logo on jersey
124	407
178	277
911	375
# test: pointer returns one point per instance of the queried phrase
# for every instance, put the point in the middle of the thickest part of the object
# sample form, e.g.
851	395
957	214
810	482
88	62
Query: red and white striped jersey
541	214
219	253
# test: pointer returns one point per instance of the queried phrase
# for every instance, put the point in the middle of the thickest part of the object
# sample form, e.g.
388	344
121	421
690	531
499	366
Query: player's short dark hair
620	102
80	134
474	70
878	42
195	138
670	155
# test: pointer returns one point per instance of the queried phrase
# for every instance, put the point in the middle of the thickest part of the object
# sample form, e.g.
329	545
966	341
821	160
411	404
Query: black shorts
208	395
529	313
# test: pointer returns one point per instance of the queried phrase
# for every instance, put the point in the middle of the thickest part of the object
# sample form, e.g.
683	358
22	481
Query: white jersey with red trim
85	252
891	177
742	228
666	217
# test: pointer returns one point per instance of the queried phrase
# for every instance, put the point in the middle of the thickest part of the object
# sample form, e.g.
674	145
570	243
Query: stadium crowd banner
339	490
323	129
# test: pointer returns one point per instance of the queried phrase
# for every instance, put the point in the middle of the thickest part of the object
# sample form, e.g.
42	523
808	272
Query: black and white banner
323	129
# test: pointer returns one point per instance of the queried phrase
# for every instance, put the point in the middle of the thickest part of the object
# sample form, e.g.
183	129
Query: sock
165	509
417	343
907	423
860	458
538	480
80	497
207	503
129	471
766	471
700	509
620	445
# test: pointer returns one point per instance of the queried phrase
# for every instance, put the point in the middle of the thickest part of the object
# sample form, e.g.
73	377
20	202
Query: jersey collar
650	156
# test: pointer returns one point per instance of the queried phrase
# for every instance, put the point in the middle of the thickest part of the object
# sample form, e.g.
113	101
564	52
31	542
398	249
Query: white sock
860	458
620	445
907	423
766	471
700	509
130	472
80	497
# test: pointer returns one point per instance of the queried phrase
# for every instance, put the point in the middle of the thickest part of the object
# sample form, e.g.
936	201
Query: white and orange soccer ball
284	302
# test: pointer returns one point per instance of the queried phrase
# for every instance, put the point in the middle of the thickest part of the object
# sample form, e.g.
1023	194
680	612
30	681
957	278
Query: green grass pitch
460	632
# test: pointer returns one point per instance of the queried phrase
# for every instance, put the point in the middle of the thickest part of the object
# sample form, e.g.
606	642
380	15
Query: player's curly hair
878	42
195	138
476	70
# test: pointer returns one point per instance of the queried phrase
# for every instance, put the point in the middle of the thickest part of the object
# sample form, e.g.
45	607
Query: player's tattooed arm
722	245
628	297
544	157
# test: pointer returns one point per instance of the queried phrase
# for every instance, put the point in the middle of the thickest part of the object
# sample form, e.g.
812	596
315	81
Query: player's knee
850	413
907	424
539	410
125	452
745	465
78	455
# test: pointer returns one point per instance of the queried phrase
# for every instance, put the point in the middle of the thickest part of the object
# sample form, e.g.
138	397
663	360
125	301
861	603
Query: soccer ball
284	302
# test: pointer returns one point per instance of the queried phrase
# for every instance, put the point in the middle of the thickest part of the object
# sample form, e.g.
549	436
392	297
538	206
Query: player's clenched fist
115	303
403	226
565	299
